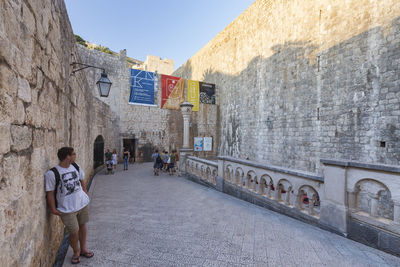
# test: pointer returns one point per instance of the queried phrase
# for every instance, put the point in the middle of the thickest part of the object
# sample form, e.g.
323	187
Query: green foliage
80	40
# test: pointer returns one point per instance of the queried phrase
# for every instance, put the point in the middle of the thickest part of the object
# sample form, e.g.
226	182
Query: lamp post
103	84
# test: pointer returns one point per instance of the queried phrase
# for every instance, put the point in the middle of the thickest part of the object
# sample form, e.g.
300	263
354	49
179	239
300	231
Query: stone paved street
138	219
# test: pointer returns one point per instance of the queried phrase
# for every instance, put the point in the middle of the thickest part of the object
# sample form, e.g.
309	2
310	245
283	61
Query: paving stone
137	219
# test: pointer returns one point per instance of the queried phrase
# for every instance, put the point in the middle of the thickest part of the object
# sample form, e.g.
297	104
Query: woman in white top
114	159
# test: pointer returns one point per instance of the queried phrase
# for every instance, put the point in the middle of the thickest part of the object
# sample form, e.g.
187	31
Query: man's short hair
64	152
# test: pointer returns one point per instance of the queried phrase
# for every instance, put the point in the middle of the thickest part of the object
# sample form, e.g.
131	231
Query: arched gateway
98	152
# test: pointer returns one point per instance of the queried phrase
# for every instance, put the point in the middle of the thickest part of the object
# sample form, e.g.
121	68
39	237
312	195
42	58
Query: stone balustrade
357	200
296	190
206	170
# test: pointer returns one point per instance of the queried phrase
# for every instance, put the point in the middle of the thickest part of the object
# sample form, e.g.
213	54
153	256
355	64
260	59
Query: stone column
396	211
352	198
186	109
374	204
185	151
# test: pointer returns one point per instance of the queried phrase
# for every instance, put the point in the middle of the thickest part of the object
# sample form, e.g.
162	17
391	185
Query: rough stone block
19	114
6	107
8	80
5	138
21	137
24	90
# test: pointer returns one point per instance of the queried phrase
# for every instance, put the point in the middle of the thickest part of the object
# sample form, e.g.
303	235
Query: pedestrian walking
176	160
165	161
171	164
68	198
114	159
109	163
156	162
126	158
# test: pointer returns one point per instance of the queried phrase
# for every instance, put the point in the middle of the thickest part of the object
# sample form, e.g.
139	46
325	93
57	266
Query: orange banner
172	92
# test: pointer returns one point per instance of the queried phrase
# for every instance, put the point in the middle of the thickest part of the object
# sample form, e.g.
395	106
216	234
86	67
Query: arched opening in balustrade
239	176
284	191
208	174
374	198
265	181
308	199
228	173
214	176
197	170
250	179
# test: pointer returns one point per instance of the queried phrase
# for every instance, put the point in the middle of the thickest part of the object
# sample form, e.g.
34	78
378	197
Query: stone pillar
334	210
287	200
186	109
374	204
352	197
185	151
396	211
311	203
278	189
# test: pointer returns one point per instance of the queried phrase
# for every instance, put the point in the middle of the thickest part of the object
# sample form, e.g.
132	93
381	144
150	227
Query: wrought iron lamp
103	84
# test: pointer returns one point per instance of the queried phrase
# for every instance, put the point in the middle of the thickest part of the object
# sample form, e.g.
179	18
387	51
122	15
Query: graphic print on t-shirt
70	183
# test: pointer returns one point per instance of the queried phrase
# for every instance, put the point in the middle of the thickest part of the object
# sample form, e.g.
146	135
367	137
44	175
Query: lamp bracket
85	66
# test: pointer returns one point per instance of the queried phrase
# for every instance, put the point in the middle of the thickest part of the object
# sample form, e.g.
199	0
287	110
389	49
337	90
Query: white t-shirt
70	195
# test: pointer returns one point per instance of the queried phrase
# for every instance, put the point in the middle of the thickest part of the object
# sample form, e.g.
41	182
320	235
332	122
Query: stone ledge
205	161
274	168
361	165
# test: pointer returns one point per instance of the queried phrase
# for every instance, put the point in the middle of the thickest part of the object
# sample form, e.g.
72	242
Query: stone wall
302	80
151	126
42	108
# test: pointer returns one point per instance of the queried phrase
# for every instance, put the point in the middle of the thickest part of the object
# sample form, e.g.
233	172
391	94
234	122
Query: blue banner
142	87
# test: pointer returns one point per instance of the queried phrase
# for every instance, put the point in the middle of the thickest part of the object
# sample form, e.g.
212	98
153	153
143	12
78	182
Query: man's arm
52	203
84	187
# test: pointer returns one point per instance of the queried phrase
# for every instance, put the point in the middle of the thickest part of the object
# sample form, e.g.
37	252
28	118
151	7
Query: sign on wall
198	144
207	93
142	88
172	92
207	144
193	94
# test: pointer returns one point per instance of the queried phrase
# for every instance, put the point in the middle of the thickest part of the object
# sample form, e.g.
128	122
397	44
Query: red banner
172	92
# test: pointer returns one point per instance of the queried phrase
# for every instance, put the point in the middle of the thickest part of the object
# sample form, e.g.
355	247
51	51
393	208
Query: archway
98	152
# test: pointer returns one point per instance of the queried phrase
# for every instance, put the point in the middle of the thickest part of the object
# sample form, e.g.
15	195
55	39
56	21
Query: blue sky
174	29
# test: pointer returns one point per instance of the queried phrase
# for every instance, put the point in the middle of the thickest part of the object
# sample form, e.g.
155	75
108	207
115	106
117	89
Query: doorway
130	144
98	152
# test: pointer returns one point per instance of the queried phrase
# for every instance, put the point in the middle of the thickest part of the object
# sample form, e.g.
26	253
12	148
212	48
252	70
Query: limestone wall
42	108
302	80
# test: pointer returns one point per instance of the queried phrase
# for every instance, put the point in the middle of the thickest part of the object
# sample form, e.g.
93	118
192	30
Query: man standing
67	197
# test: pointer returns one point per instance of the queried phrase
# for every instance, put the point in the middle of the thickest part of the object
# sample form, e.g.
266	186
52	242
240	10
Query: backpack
158	159
58	178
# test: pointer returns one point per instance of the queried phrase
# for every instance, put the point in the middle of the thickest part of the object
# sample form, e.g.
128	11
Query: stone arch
228	171
265	182
308	198
197	169
214	176
208	174
98	152
248	183
239	176
283	192
373	197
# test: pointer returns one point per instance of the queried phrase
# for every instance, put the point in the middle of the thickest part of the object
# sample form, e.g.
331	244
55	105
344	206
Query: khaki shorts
74	219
